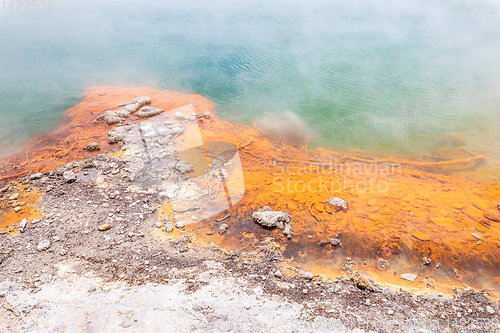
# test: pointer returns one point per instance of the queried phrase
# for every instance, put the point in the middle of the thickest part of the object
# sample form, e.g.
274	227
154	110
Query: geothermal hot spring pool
374	88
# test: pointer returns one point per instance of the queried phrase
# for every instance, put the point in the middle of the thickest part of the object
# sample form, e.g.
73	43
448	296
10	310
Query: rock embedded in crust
362	282
118	134
69	176
43	245
148	112
168	228
334	241
338	204
384	264
115	117
184	117
184	167
141	100
94	146
110	117
36	176
409	276
15	196
223	228
271	219
22	225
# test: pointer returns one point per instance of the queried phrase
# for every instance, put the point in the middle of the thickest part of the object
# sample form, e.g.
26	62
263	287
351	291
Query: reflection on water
427	215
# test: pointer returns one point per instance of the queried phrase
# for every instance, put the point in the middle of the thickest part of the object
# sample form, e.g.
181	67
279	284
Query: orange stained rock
398	210
27	202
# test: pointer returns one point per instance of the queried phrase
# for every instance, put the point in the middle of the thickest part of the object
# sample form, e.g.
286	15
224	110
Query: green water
377	75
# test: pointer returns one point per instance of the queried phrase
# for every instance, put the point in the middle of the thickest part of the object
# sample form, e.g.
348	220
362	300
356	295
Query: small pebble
43	245
223	228
168	227
104	227
22	225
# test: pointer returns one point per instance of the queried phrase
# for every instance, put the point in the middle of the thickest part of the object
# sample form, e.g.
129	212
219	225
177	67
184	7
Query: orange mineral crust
77	130
15	208
418	215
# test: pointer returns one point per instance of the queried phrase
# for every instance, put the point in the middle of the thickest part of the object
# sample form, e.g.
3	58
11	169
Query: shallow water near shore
379	76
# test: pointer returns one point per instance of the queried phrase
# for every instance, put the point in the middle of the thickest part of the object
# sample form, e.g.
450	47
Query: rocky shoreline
66	251
113	248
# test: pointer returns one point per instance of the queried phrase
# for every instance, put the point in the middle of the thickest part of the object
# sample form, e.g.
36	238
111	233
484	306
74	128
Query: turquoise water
377	75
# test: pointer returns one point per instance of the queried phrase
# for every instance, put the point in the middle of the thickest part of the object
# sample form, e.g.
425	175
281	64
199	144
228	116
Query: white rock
22	225
168	227
258	291
69	176
36	176
268	218
337	203
15	196
43	245
409	276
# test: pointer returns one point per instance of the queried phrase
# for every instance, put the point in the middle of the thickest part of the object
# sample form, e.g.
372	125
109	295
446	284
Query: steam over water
378	75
